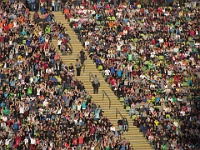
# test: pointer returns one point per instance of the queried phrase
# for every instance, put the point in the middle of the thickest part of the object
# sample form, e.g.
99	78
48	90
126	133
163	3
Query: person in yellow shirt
35	32
19	57
156	122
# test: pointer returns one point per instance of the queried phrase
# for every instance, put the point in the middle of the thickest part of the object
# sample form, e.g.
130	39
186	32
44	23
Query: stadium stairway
137	141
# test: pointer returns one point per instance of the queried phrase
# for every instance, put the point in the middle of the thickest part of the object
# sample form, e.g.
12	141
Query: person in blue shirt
61	35
12	2
112	70
123	147
41	40
84	105
49	18
98	62
16	126
28	42
97	113
23	33
119	73
157	100
42	9
12	83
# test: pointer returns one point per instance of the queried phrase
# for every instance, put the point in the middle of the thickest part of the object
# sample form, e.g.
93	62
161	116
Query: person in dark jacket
125	124
78	67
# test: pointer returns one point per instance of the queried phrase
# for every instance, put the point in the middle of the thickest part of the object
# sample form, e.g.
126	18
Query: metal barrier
91	76
105	94
118	112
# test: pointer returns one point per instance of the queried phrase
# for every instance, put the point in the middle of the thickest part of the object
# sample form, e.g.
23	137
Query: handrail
118	112
90	76
104	93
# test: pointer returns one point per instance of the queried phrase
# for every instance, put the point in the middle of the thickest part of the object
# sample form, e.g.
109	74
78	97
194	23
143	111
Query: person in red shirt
1	39
9	122
160	10
80	140
176	79
75	141
17	141
46	45
153	42
113	82
64	41
45	65
192	33
134	73
92	131
6	28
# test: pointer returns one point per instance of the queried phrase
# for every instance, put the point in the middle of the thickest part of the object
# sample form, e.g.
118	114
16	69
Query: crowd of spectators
54	5
150	56
42	104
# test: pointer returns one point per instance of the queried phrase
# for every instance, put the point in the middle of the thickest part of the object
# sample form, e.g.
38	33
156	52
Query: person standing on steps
82	57
95	84
120	126
78	67
37	3
125	124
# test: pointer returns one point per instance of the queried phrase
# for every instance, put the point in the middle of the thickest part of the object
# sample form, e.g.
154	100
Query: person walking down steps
78	67
95	84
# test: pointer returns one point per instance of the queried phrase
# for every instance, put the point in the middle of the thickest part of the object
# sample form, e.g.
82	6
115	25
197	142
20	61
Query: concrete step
133	135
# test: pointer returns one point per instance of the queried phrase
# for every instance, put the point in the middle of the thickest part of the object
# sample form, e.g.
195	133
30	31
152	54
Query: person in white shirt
59	111
48	70
59	43
45	103
142	76
19	76
87	43
31	79
33	143
21	108
7	141
107	74
26	141
76	121
3	125
112	128
4	118
153	54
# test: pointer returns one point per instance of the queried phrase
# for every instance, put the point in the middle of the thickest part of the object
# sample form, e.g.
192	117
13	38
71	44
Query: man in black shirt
82	56
120	124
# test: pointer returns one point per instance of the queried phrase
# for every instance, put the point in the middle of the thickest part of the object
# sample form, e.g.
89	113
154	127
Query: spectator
78	67
125	124
152	55
95	84
42	104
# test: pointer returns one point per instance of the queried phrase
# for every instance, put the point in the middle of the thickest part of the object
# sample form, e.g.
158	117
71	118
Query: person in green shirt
130	57
47	29
6	111
29	92
163	147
